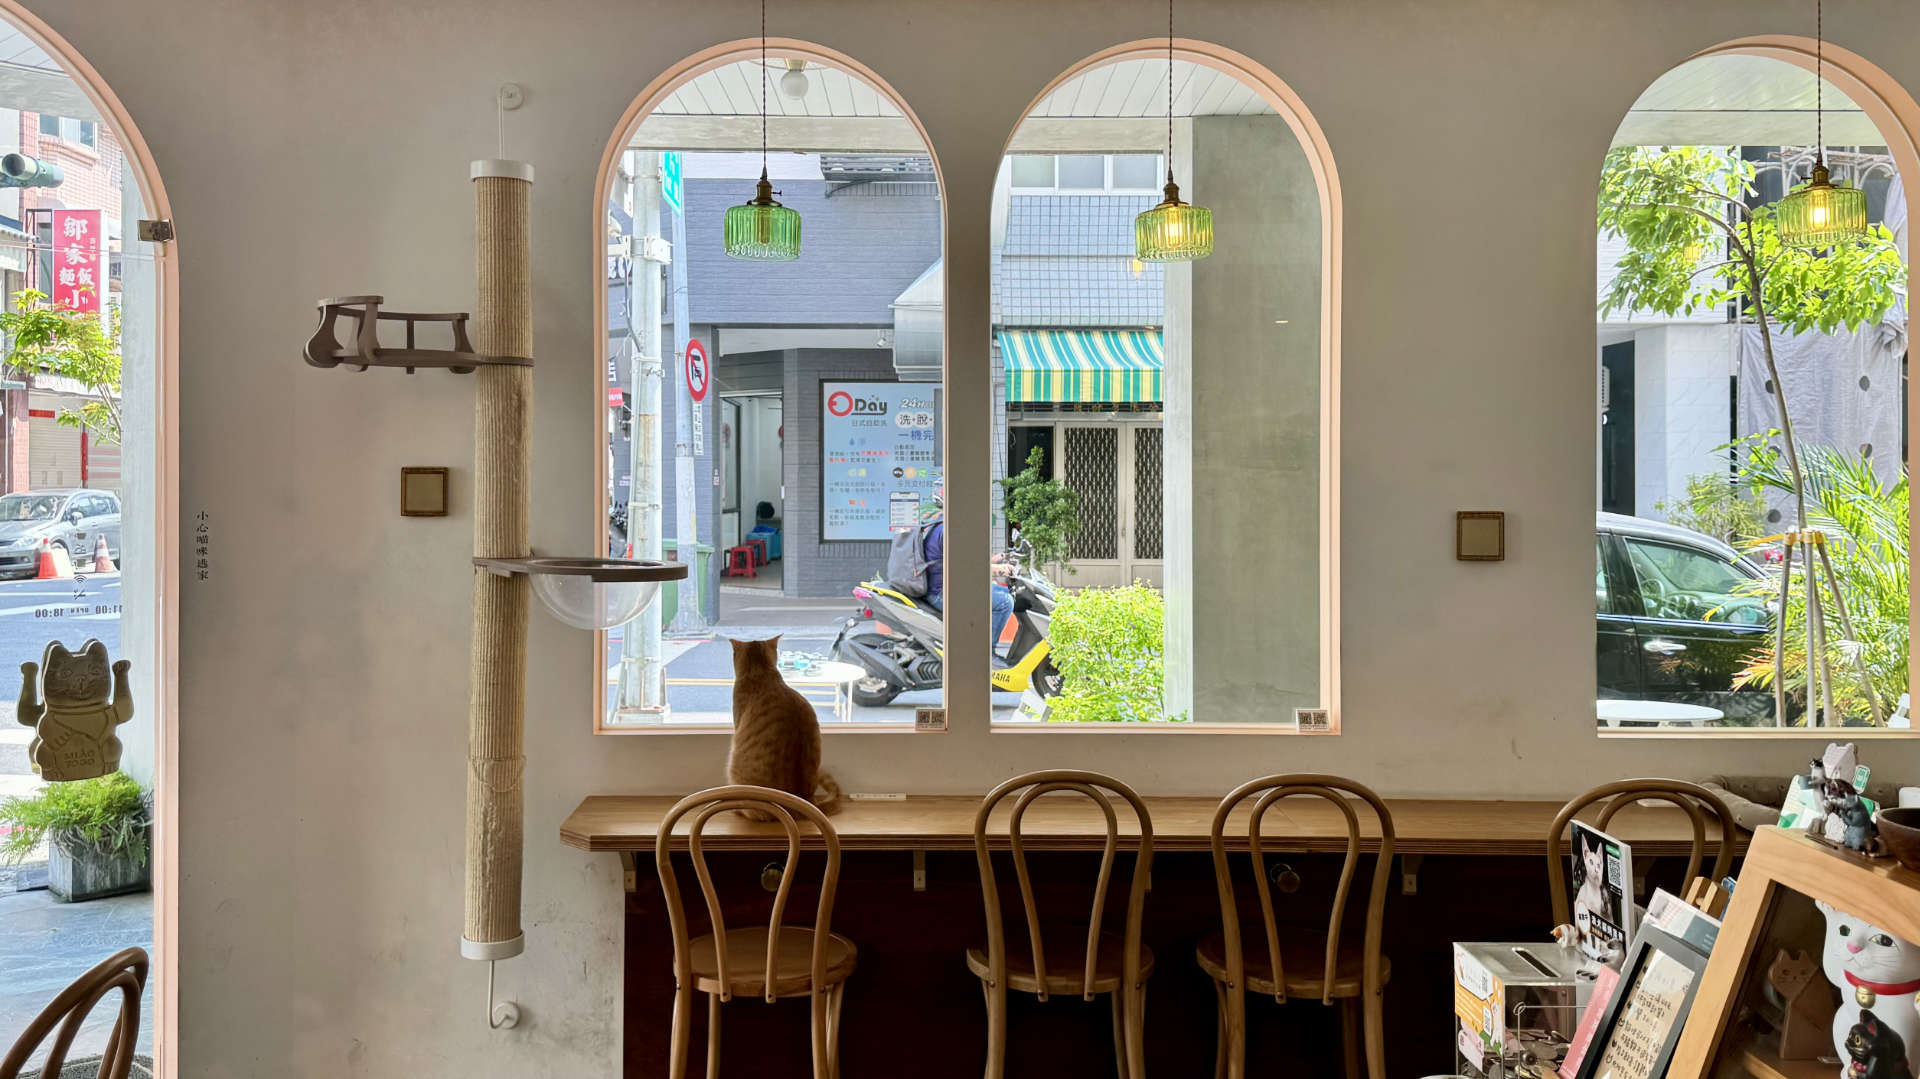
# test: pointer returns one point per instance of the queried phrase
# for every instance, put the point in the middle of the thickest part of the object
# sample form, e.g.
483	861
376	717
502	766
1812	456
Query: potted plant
98	832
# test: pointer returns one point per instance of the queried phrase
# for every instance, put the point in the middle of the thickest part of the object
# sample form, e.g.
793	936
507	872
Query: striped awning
1082	365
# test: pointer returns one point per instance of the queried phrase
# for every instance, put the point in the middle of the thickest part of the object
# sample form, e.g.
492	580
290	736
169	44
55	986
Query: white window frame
1107	186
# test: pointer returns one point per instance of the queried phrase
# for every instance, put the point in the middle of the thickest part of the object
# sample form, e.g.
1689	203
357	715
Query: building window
49	124
793	425
1085	173
1700	494
84	132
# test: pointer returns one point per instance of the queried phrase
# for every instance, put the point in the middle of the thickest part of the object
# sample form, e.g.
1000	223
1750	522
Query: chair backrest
125	971
1096	788
1341	793
1691	797
786	809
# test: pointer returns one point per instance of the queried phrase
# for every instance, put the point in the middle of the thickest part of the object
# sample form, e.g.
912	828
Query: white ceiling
16	50
1743	101
1138	89
735	90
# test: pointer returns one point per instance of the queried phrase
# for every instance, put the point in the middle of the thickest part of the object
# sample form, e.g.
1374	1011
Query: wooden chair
1331	969
1691	797
1103	963
125	971
772	962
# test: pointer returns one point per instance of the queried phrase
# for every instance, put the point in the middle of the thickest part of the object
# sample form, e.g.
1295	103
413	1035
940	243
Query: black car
1677	619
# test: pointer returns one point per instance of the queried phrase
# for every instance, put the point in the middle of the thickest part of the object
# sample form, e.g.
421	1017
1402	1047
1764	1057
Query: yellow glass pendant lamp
760	229
1173	231
1820	213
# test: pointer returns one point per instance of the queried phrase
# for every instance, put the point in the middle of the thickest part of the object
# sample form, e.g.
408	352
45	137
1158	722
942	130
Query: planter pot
86	874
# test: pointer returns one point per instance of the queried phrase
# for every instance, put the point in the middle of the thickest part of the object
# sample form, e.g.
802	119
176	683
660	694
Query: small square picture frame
423	492
1480	535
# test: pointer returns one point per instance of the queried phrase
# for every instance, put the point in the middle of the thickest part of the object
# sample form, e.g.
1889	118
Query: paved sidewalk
45	944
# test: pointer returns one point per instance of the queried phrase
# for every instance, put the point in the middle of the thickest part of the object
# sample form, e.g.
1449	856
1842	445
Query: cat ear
738	645
773	642
96	650
55	652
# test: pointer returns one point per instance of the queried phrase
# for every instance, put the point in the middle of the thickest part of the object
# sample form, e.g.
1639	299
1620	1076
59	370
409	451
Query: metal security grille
1146	493
1091	465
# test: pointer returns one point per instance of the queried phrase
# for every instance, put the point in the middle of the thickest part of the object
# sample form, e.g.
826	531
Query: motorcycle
906	649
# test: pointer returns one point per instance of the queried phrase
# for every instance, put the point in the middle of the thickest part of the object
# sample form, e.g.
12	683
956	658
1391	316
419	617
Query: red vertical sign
77	278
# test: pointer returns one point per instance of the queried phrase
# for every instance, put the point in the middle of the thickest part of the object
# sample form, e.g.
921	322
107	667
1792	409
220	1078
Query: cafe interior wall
320	149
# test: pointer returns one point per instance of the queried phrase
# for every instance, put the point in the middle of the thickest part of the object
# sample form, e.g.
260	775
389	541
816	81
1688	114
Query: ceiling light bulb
795	83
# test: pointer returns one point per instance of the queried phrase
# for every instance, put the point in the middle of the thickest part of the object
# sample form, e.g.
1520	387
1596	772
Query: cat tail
828	797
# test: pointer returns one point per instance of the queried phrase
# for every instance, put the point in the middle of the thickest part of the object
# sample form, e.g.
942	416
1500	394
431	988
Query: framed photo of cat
1641	1025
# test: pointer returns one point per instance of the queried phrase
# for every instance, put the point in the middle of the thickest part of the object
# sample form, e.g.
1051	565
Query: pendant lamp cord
1169	91
763	86
1819	83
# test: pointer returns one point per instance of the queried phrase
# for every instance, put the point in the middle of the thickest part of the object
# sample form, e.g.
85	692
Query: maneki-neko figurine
73	701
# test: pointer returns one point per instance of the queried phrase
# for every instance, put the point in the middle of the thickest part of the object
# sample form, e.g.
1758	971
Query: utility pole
686	522
643	674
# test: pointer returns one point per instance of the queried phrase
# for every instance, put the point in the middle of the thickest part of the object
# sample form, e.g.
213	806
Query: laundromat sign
880	456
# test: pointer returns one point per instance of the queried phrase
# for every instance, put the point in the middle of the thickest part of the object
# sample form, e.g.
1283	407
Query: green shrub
1047	512
1718	505
109	815
1110	647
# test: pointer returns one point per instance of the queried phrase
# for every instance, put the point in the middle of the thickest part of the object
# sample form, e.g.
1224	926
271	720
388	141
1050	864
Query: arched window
1752	427
775	423
1167	510
90	535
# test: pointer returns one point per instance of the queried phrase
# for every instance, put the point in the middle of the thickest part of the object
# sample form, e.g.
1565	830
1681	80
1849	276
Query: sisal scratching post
502	411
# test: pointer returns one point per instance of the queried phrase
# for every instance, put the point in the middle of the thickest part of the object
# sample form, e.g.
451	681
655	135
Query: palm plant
1863	520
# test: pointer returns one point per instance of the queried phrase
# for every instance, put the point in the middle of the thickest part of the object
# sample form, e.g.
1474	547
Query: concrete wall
323	675
1256	425
812	566
1682	409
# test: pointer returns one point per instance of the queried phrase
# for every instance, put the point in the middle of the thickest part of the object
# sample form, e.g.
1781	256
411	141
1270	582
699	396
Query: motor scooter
905	650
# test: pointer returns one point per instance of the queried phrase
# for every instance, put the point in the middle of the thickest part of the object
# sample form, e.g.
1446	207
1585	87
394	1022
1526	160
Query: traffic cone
54	562
102	560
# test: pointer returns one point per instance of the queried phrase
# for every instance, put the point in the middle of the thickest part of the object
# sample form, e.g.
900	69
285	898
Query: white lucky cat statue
1874	969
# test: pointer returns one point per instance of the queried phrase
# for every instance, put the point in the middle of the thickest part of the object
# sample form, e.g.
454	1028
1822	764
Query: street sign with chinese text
670	180
77	277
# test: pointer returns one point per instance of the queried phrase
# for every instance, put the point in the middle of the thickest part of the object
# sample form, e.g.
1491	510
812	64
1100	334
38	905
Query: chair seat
1304	961
1066	961
747	962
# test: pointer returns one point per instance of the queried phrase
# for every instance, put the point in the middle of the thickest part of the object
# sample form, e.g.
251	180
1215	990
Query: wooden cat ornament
1807	1005
74	700
776	733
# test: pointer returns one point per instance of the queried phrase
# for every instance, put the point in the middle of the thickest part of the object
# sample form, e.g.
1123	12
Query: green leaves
1047	512
1693	244
109	815
1109	645
44	337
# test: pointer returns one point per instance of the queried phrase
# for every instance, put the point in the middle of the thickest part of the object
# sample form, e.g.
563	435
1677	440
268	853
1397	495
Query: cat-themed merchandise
1000	539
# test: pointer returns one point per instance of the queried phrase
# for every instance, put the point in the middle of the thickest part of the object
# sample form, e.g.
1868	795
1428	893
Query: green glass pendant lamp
1173	231
760	229
1822	213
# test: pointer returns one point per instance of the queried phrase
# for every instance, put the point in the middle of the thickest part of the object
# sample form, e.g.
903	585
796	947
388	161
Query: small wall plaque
423	492
1480	536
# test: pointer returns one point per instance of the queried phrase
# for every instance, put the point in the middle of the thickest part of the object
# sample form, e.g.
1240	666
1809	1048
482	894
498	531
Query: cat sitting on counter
776	733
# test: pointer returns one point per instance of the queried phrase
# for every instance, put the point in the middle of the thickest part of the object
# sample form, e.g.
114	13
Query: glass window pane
49	124
86	133
1136	172
1030	170
1079	171
1692	586
1602	602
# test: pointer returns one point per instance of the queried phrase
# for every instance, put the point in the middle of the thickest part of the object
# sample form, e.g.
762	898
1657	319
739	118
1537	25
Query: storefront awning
1082	365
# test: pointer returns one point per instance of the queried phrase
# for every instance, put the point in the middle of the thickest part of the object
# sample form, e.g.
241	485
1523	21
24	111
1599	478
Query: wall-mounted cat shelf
325	350
590	593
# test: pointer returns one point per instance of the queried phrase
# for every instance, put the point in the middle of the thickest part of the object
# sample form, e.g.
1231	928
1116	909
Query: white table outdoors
1664	713
833	674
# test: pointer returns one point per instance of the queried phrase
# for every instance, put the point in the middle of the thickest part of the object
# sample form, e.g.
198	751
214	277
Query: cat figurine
1858	832
1874	1051
1875	971
1806	1005
73	701
776	733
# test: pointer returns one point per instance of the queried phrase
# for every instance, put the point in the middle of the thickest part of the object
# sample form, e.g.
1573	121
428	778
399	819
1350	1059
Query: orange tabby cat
776	735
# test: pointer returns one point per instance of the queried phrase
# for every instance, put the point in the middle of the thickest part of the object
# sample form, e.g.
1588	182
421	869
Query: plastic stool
758	546
740	562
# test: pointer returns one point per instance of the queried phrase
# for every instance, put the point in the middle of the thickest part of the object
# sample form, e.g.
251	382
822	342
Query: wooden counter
628	823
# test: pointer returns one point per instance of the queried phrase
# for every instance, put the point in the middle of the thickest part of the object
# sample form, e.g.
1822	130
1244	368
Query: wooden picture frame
423	492
1650	946
1480	536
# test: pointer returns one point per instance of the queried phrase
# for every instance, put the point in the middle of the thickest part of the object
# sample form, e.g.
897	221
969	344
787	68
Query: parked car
1675	620
71	518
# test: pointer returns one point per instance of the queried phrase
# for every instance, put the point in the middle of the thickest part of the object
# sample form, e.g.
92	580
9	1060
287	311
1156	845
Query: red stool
759	548
740	562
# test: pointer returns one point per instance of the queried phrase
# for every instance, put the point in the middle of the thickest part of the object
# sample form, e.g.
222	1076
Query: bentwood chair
1695	800
125	971
1099	963
1332	968
770	962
